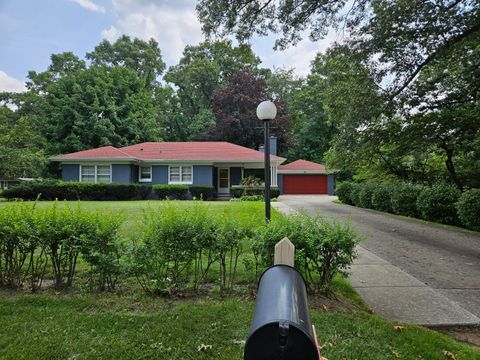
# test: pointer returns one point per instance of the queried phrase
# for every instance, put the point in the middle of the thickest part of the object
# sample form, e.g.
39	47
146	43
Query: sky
31	30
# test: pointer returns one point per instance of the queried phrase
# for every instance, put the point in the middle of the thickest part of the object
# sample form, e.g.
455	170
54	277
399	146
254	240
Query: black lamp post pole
267	170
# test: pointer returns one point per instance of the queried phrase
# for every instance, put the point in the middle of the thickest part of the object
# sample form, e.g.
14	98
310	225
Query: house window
87	173
103	173
95	173
180	175
145	174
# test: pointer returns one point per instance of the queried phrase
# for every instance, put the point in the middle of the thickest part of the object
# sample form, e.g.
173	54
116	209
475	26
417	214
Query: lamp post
267	111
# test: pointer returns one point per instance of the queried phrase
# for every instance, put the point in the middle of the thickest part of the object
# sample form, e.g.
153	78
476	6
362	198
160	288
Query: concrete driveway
408	264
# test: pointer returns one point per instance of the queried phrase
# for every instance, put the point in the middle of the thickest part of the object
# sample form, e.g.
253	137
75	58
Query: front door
224	180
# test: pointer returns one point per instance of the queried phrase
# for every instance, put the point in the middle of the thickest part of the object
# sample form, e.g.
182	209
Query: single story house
5	183
215	163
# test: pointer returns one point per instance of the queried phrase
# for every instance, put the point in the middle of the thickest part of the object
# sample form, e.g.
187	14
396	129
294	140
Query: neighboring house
218	164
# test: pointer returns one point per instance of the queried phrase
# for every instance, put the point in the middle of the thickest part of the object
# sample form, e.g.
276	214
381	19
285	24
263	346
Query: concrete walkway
392	292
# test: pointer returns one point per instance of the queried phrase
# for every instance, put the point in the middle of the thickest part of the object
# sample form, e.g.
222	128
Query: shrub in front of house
323	248
344	192
239	191
171	191
382	197
468	209
366	194
203	192
437	203
72	190
404	199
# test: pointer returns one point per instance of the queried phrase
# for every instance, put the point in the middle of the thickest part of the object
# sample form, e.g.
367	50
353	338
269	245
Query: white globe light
266	110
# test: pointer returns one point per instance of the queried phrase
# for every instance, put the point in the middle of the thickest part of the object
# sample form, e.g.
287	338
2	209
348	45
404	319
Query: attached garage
305	184
305	177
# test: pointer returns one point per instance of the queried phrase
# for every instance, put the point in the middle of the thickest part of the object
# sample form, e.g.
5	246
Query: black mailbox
281	328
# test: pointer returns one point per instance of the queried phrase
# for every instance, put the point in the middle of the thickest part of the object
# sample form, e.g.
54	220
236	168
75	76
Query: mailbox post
281	327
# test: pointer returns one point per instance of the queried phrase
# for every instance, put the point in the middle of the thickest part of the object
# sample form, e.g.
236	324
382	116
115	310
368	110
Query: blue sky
31	30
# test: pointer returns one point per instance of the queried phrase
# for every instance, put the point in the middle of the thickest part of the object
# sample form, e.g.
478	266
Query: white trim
95	172
180	173
140	173
322	172
273	176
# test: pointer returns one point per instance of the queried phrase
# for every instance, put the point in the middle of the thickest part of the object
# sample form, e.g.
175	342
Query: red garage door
305	184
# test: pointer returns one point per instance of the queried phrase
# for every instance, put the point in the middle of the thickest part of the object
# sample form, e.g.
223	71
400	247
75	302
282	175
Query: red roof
98	153
302	165
206	151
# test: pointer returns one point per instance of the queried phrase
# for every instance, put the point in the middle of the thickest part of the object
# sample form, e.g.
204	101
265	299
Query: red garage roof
167	151
303	165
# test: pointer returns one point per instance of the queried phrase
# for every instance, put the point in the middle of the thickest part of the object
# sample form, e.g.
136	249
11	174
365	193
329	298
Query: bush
322	248
437	203
72	190
239	191
102	250
172	192
175	237
202	192
382	198
30	237
468	209
404	200
366	194
355	194
344	192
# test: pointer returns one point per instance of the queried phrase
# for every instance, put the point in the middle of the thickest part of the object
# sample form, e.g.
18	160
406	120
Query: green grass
123	327
80	325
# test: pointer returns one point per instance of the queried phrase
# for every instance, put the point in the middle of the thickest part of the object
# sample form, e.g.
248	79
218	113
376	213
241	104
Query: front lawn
78	323
137	327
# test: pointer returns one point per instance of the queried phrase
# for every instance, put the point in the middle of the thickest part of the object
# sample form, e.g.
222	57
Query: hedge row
183	192
70	190
239	191
177	247
441	203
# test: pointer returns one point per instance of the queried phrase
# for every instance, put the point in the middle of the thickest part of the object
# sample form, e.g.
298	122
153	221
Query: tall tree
235	111
141	56
21	152
202	69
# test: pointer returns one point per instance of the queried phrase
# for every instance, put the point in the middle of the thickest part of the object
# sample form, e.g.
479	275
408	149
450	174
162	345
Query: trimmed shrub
202	192
239	191
366	194
322	248
32	236
344	192
468	209
172	192
404	200
175	238
437	203
72	190
382	198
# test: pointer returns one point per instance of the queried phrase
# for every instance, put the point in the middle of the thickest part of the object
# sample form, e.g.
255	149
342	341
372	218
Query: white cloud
173	24
10	84
111	33
89	5
298	57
